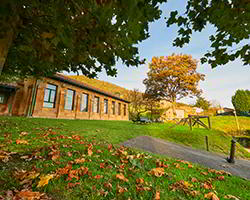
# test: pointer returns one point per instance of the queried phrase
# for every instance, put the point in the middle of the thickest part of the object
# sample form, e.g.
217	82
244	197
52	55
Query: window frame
49	96
119	108
125	109
73	100
105	106
113	107
86	109
96	104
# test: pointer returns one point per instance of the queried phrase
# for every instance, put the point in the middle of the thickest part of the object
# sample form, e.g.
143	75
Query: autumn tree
241	100
172	78
201	102
44	37
229	18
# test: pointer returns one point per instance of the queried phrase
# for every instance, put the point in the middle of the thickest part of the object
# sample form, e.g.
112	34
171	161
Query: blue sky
220	83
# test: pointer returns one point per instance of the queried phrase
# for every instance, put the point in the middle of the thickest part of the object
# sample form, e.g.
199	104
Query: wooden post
236	119
209	124
232	152
206	139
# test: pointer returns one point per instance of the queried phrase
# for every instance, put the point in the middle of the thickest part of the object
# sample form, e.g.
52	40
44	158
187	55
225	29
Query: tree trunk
5	44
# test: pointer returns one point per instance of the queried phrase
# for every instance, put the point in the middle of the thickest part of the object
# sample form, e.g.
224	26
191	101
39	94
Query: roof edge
80	84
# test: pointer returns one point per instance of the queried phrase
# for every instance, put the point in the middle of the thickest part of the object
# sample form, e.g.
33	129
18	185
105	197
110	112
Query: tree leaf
44	180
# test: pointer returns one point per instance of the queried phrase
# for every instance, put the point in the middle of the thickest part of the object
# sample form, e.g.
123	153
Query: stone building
60	97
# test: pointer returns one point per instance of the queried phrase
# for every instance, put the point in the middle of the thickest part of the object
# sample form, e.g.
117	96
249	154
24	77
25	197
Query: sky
220	83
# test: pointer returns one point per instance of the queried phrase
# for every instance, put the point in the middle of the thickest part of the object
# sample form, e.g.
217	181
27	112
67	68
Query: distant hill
103	85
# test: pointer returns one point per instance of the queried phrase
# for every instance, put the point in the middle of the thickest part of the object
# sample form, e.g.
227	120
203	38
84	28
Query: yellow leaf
45	180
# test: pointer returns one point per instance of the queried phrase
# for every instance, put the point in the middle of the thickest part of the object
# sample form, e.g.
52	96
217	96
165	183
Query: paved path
240	168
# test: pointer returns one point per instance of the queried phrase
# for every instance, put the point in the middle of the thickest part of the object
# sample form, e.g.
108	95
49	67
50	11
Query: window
106	106
84	103
49	100
96	105
119	108
2	98
69	100
113	107
125	110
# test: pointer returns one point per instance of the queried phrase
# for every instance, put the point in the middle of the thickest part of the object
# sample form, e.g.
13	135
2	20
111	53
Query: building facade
60	97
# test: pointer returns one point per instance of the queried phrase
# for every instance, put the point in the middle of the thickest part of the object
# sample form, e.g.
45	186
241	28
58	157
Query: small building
60	97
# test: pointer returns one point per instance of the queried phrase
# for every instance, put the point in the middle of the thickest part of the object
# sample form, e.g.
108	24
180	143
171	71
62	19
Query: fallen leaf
71	185
157	195
108	185
23	133
102	165
194	193
158	172
21	141
80	160
29	195
47	35
121	177
139	180
98	177
120	189
208	186
44	180
221	178
194	180
90	149
110	146
231	197
211	196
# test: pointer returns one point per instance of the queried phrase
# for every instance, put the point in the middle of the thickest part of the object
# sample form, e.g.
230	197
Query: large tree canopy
172	78
231	19
43	37
40	37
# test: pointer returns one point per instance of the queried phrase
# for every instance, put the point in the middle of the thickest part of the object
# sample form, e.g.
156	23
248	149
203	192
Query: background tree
172	78
201	102
230	18
137	104
241	100
44	37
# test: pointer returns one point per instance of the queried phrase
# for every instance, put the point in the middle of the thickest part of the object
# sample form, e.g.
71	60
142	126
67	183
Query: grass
83	160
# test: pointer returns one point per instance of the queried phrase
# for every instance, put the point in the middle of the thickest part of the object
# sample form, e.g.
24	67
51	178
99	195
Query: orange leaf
98	177
90	148
139	180
79	160
221	178
211	196
121	177
157	195
107	185
158	172
21	141
29	195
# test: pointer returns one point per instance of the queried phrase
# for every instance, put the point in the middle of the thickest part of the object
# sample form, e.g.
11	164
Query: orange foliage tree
172	78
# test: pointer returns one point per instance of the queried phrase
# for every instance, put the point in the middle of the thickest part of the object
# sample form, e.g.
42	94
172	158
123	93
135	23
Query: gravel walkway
240	168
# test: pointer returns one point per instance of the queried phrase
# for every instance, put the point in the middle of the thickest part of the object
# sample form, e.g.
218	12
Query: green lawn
81	159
